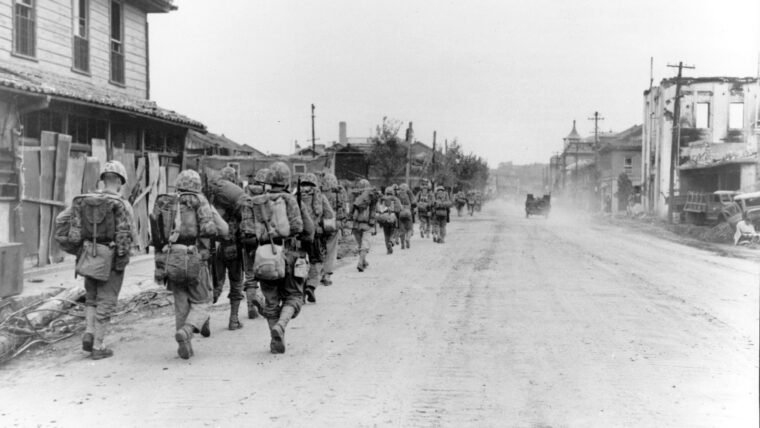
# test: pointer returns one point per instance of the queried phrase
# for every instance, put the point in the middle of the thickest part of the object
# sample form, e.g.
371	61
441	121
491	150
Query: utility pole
433	160
313	137
675	143
409	140
596	120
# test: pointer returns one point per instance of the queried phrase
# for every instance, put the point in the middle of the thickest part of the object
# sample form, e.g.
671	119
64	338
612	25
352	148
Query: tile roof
199	140
45	83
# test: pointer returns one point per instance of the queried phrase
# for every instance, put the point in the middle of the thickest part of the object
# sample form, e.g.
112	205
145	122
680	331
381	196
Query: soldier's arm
327	211
206	225
294	215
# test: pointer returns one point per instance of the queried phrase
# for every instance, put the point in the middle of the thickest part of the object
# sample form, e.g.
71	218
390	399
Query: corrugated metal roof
45	83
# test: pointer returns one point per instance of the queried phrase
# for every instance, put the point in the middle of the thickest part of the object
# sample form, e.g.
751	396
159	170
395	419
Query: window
736	116
81	42
299	168
702	115
628	166
117	42
24	41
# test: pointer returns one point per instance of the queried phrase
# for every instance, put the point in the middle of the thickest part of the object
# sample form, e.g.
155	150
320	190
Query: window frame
296	166
121	44
75	34
696	114
14	42
730	116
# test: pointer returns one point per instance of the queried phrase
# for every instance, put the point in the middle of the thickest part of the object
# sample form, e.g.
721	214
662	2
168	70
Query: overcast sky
505	78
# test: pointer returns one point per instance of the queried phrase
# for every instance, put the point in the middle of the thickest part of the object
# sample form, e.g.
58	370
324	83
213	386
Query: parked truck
706	208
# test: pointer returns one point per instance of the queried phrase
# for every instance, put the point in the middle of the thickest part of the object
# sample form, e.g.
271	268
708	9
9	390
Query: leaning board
30	215
47	182
63	147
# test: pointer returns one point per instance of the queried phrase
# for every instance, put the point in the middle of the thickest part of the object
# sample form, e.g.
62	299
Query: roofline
155	6
685	81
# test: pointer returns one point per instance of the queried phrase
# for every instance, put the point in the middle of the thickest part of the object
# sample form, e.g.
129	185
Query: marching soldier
441	207
253	295
362	214
337	201
424	204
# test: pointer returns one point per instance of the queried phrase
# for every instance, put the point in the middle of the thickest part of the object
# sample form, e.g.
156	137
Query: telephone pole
433	159
675	143
313	139
409	140
596	120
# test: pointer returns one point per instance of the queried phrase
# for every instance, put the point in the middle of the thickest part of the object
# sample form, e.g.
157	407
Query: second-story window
81	35
117	42
24	40
628	166
736	116
702	113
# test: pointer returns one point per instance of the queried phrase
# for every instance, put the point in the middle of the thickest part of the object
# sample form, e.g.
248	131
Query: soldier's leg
107	299
332	254
221	272
236	294
91	294
252	291
388	232
443	231
291	293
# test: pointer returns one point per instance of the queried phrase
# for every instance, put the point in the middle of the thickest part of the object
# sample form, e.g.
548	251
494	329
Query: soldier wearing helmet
199	223
337	200
424	205
110	240
406	216
227	258
315	206
441	206
387	215
253	295
362	215
283	297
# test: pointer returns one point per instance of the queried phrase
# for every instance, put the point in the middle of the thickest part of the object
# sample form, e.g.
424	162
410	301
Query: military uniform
336	198
228	261
362	215
284	297
101	297
253	294
441	206
315	205
192	300
389	204
424	204
406	219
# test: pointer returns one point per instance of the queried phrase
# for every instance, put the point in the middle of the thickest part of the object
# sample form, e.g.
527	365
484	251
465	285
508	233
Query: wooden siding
54	32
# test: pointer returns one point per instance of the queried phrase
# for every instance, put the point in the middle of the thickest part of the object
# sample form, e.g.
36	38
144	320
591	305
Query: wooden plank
30	215
172	170
153	175
59	193
48	202
91	175
99	150
47	178
162	180
74	176
140	207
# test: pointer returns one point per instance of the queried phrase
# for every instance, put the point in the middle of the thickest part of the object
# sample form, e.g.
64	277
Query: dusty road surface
513	322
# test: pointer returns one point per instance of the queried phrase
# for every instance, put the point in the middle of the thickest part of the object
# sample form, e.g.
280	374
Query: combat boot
98	350
235	323
206	328
88	339
326	280
309	294
277	346
184	337
254	303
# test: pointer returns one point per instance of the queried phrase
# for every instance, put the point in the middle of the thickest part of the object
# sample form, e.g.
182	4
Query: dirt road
513	322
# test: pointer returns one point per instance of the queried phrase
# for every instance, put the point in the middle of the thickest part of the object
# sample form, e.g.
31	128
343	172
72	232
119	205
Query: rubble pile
721	233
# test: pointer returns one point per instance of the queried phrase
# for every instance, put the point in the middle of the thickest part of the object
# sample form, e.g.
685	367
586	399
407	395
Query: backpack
363	202
384	215
61	232
225	194
95	211
270	212
162	219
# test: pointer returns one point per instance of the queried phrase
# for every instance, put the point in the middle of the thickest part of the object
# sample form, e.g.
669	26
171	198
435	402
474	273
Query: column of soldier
275	241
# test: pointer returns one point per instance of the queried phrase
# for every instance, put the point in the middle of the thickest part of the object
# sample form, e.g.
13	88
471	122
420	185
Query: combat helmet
115	167
389	191
188	181
309	179
363	184
279	174
404	187
261	176
228	173
440	189
329	182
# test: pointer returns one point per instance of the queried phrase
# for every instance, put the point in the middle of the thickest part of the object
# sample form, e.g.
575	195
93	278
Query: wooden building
74	93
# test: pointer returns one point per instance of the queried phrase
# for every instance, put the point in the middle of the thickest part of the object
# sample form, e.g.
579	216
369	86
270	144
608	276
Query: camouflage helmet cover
115	167
439	189
228	173
363	184
279	174
261	176
403	186
329	182
425	183
389	190
188	181
309	179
